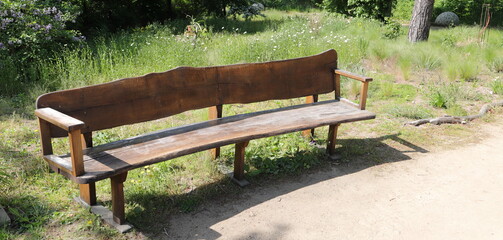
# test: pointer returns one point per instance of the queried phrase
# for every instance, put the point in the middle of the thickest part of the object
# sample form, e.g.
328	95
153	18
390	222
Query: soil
446	194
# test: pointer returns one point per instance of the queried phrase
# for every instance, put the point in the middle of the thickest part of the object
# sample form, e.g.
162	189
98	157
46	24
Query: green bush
376	9
30	31
497	86
469	11
391	30
403	10
290	4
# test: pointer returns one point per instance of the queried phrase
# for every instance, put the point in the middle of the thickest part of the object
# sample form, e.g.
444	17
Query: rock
4	218
447	19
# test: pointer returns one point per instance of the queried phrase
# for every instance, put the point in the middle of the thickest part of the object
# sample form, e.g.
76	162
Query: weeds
182	184
408	111
497	86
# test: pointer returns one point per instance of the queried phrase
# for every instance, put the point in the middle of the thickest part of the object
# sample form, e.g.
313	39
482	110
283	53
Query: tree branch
451	119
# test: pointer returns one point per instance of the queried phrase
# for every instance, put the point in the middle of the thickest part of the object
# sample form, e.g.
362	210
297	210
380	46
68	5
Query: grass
450	74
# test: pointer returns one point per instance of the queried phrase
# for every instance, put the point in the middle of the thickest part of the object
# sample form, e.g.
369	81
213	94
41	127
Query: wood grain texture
87	140
88	193
332	138
110	159
45	136
59	119
352	75
118	211
310	132
363	95
239	160
76	154
215	112
158	95
337	83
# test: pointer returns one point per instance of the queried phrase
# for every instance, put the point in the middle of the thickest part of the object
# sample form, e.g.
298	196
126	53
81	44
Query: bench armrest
352	75
364	89
59	119
72	126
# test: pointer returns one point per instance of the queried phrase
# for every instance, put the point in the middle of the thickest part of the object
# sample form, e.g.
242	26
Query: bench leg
88	193
239	163
215	112
118	198
215	153
332	138
309	133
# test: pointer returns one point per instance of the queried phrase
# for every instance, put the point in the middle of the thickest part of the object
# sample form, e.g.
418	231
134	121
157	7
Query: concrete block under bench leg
115	218
106	215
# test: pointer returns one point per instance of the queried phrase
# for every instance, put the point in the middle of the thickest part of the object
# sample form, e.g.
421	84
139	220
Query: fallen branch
453	119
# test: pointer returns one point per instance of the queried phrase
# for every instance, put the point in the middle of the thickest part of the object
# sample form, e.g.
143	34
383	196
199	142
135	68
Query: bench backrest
158	95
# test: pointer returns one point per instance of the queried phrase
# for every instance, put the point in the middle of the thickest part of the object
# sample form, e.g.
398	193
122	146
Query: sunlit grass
442	76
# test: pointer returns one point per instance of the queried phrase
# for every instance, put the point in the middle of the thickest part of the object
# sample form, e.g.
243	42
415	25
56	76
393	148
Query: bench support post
239	163
363	95
45	136
214	113
88	193
309	133
76	152
117	182
332	138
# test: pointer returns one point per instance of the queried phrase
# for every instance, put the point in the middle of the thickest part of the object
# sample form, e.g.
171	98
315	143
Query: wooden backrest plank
246	83
158	95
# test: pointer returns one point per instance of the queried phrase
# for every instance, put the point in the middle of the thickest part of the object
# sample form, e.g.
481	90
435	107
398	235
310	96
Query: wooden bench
76	113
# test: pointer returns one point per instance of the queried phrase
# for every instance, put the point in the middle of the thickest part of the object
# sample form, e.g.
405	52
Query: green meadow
453	73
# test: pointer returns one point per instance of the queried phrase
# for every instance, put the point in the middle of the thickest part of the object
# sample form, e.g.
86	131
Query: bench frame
80	141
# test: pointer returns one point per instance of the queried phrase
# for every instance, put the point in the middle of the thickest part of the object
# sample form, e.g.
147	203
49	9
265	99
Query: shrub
291	4
469	11
30	31
403	10
247	12
392	30
497	86
376	9
438	99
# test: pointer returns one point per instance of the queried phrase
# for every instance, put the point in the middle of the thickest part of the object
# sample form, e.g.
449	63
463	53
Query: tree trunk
420	23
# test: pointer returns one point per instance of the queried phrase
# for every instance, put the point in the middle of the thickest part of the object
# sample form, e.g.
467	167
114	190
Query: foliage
4	178
32	30
448	95
469	11
291	4
287	153
35	28
497	86
403	10
376	9
184	183
392	30
247	12
109	16
408	111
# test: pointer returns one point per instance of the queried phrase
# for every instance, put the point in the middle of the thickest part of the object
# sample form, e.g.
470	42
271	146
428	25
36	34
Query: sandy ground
452	194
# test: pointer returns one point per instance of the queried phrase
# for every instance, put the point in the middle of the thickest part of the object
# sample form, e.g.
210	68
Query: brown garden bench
77	113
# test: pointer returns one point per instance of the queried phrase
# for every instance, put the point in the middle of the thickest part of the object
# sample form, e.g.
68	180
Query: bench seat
118	157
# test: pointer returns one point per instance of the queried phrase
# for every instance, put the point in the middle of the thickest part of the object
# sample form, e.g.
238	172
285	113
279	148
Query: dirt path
453	194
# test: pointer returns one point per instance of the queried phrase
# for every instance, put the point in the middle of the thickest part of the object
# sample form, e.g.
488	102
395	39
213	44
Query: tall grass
430	72
279	36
